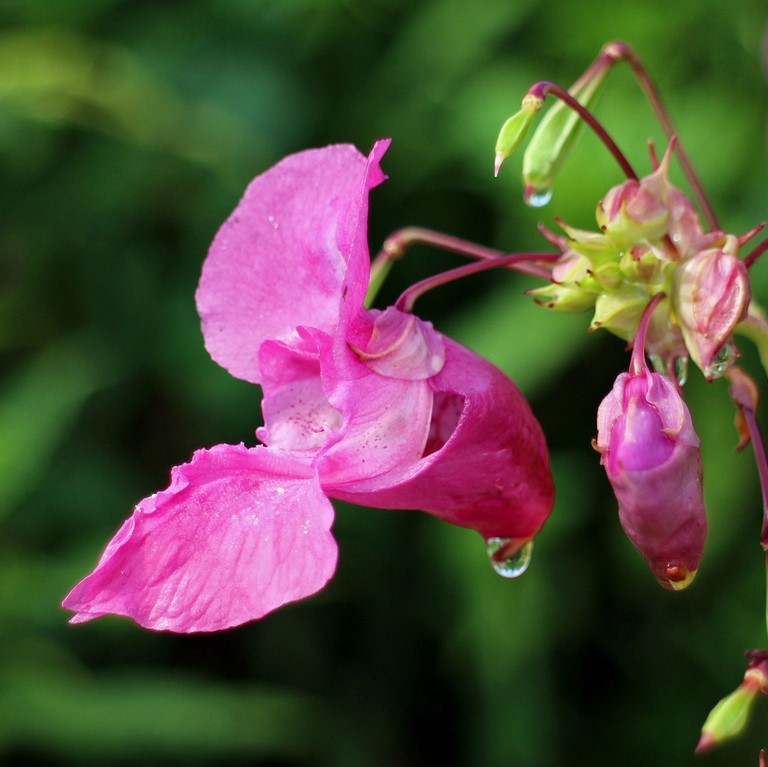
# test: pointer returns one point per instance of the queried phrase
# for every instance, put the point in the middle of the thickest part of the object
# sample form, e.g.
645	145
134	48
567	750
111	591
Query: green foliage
128	131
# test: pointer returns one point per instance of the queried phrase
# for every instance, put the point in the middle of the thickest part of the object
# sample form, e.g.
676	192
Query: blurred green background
128	131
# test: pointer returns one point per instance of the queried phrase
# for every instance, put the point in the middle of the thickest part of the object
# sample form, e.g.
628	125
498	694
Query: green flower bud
514	129
630	214
619	311
573	289
555	137
728	717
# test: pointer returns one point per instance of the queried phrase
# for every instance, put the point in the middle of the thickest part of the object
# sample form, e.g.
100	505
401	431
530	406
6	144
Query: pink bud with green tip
651	455
630	214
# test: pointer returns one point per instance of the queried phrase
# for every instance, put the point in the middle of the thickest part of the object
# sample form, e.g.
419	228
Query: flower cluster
676	287
657	276
652	241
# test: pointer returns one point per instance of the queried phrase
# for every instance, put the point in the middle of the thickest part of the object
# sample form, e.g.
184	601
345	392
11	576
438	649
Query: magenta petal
402	346
280	260
385	426
298	417
238	533
488	468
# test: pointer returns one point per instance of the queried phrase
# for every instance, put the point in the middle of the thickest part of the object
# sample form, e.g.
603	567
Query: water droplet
537	198
677	577
516	563
272	220
722	361
681	370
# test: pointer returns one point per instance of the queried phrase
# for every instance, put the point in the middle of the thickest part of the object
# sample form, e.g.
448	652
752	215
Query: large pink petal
486	465
238	533
280	260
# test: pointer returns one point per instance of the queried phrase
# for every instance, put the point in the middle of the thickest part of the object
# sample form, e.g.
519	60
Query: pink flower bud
651	456
711	296
630	214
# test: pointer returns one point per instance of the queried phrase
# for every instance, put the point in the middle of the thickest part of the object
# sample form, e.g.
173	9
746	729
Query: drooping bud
728	718
711	296
651	455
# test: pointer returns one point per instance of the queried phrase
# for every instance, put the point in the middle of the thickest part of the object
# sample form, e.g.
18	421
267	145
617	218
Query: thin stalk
755	253
622	51
397	244
637	364
409	296
762	467
545	88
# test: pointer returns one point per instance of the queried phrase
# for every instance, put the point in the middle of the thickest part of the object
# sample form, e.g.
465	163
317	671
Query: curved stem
637	364
762	467
397	244
622	51
409	296
545	88
755	253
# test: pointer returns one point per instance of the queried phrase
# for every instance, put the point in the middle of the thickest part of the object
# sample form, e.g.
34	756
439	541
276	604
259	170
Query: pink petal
297	415
385	420
238	533
489	465
281	258
402	346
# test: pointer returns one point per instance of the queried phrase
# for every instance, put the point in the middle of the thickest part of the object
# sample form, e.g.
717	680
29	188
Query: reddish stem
397	243
545	88
762	467
409	296
637	364
621	51
755	253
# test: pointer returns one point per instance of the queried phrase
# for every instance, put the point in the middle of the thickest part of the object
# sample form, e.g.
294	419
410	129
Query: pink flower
371	407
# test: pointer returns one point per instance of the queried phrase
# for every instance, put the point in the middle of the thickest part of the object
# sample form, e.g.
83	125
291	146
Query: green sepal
619	311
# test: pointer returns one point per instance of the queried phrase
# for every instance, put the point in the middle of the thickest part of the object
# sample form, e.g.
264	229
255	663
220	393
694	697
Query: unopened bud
711	296
651	455
556	135
629	214
728	718
514	129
